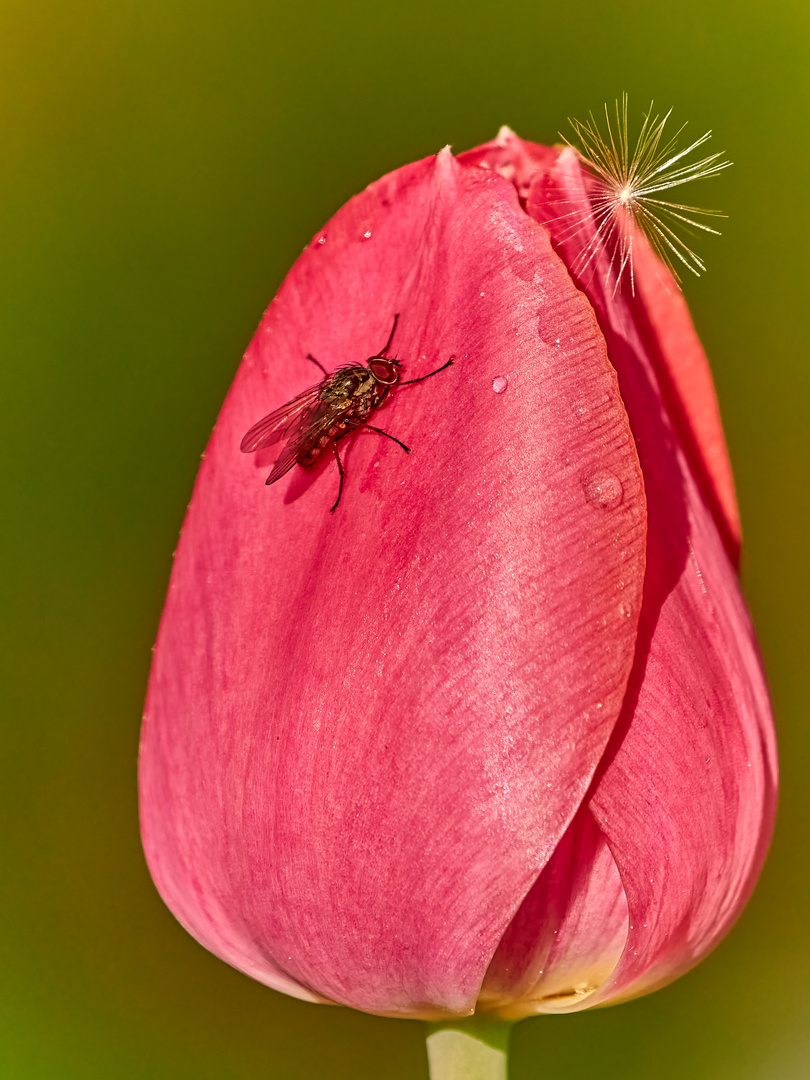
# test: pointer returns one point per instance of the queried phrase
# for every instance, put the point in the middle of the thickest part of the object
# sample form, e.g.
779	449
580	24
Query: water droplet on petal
322	238
500	383
366	235
603	490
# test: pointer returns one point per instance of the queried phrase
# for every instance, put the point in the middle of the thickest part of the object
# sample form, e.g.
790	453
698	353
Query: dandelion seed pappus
339	405
623	188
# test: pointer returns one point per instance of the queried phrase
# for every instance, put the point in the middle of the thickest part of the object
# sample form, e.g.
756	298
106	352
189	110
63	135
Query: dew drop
500	383
322	238
603	490
366	235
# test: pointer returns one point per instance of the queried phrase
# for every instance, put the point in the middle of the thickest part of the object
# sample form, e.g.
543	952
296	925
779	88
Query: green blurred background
162	165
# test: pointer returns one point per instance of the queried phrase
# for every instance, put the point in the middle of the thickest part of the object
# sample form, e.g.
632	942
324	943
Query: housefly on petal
340	404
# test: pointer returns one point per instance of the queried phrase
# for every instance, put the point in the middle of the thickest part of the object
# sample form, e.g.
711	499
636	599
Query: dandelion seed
623	188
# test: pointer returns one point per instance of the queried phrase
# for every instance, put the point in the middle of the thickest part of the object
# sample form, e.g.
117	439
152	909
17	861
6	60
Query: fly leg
342	472
390	336
314	361
393	438
412	382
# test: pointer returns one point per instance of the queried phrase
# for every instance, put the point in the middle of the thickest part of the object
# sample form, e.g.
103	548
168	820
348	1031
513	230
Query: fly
337	406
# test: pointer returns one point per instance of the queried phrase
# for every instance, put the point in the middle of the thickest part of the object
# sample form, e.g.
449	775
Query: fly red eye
384	371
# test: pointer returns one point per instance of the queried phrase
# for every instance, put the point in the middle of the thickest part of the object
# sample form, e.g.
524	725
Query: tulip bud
495	734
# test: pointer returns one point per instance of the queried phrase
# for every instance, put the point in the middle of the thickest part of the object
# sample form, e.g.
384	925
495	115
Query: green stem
474	1049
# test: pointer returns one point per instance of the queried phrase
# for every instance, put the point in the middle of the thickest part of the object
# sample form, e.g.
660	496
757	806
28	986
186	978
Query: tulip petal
666	329
686	793
659	311
688	796
366	732
569	933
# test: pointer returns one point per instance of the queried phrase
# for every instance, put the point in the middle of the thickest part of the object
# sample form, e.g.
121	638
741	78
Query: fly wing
276	425
285	461
304	436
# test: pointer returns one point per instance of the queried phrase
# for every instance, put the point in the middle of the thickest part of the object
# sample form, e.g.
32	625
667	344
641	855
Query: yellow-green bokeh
162	162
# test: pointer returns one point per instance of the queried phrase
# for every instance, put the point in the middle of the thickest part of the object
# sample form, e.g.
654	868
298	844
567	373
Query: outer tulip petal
687	806
666	329
366	732
659	313
569	933
686	793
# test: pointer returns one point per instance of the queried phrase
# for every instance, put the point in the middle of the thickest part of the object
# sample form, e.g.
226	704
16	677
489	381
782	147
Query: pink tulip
495	734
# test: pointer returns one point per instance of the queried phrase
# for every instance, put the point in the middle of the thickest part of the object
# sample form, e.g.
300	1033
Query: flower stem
474	1049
